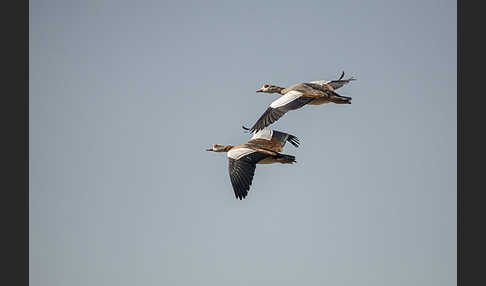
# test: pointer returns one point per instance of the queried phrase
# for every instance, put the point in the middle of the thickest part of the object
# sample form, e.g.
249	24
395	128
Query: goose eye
265	85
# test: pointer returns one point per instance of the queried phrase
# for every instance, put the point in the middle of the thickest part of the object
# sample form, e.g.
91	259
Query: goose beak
259	90
209	149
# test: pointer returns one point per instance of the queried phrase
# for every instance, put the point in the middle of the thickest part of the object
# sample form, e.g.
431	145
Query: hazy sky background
125	97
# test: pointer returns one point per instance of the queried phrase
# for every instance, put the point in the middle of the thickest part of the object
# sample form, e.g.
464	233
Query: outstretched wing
335	83
283	137
274	135
241	167
290	101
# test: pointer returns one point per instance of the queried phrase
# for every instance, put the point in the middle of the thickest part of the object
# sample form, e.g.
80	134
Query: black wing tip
241	193
257	127
253	129
293	140
241	176
267	119
247	130
241	196
349	79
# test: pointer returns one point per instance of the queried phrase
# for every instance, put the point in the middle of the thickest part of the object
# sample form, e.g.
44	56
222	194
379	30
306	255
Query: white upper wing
286	98
334	83
263	134
240	152
320	82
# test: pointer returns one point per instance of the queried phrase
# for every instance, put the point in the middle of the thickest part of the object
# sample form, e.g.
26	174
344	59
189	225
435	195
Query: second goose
296	96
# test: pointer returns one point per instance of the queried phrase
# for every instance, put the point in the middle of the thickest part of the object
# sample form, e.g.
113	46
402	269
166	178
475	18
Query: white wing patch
240	152
337	84
286	98
263	134
334	83
321	82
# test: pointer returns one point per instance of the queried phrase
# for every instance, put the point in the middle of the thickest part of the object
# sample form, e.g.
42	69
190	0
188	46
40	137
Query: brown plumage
298	95
263	148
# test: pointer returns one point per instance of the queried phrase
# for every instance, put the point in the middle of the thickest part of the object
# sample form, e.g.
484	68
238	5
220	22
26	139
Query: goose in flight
296	96
263	148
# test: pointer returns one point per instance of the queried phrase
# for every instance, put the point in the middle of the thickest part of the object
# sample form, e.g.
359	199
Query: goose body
296	96
263	148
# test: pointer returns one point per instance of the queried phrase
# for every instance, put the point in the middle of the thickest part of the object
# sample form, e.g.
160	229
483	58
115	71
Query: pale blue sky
125	96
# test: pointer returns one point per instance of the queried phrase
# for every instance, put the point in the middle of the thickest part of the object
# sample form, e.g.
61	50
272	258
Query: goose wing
241	167
335	83
283	137
290	101
274	135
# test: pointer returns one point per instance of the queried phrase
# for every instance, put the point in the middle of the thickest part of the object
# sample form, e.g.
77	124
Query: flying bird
263	148
296	96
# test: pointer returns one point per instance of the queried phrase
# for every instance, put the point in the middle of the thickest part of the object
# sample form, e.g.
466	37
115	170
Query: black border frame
15	136
470	144
15	117
459	137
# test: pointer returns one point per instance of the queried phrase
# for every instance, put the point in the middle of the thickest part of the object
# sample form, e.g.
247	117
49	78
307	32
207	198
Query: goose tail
286	159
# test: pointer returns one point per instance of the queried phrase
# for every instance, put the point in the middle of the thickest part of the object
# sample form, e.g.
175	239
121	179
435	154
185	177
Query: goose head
219	148
268	88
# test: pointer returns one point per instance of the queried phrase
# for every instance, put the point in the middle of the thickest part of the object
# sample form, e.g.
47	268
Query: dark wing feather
340	82
241	173
335	83
329	93
268	117
284	137
341	77
333	94
273	114
281	137
293	140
